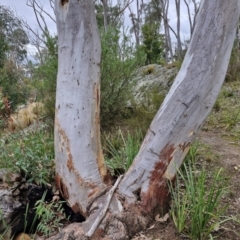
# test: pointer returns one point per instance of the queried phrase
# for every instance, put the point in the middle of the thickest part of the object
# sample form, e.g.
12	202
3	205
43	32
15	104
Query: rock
17	202
153	77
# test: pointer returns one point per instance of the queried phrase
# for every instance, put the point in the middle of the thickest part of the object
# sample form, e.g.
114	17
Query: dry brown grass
25	116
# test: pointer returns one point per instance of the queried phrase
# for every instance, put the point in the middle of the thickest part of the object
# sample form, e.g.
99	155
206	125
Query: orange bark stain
64	141
157	194
61	186
100	159
70	164
76	208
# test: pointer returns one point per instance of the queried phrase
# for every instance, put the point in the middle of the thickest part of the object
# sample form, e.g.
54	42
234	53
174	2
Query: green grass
226	114
197	209
120	150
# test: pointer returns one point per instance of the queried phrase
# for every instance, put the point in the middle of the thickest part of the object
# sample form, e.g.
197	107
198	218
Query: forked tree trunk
143	190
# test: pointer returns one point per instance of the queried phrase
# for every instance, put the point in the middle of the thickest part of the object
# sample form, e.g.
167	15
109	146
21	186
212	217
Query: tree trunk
105	14
80	168
164	4
179	42
143	190
196	8
189	16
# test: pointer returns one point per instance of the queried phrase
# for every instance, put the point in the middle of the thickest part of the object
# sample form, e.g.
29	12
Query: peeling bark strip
186	106
80	165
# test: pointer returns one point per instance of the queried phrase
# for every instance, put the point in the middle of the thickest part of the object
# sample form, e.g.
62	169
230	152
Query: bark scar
151	150
63	2
137	180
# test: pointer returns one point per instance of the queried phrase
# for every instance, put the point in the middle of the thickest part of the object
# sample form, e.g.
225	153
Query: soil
226	154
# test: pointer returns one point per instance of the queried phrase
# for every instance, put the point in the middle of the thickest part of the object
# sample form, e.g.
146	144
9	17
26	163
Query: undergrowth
120	149
197	209
32	153
50	215
226	112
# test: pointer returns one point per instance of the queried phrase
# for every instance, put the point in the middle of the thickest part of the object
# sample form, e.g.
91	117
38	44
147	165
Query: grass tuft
197	210
120	150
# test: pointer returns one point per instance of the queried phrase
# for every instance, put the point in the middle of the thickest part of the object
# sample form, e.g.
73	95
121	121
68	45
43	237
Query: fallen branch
105	208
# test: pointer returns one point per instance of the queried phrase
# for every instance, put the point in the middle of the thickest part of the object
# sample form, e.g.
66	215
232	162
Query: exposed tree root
104	210
105	223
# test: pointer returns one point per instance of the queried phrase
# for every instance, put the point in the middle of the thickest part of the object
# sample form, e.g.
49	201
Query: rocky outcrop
153	78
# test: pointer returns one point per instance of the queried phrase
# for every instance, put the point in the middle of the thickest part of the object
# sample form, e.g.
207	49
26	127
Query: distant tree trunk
196	8
164	4
118	213
135	26
179	42
190	15
105	14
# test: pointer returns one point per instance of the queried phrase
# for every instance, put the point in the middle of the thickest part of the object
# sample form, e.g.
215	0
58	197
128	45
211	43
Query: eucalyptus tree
13	42
118	210
13	37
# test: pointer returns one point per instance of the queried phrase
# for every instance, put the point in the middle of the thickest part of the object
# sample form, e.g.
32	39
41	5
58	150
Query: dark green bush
118	65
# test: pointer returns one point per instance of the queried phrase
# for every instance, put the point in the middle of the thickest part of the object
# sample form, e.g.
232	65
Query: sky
22	10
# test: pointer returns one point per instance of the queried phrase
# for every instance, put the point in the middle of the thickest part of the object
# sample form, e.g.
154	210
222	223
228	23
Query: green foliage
145	110
120	150
3	48
13	38
112	13
13	41
153	12
7	228
117	71
33	153
196	208
234	64
217	106
231	118
2	112
50	215
226	116
12	87
152	43
45	77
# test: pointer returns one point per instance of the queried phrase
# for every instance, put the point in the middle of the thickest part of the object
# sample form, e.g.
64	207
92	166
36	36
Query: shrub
118	65
33	153
45	76
51	216
234	64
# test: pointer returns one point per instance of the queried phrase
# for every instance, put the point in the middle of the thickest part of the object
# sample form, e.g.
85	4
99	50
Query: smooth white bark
79	160
186	106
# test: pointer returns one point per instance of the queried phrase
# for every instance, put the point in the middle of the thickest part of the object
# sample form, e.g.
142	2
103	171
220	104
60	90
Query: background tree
118	66
13	39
